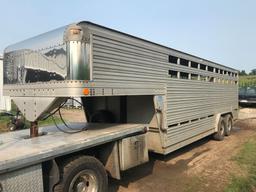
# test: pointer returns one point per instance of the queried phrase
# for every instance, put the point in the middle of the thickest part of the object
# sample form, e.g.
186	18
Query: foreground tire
82	174
228	124
219	135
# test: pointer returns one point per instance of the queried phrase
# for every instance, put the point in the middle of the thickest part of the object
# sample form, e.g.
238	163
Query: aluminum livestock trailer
138	96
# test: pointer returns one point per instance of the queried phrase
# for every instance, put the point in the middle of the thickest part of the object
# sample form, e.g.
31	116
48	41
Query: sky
223	31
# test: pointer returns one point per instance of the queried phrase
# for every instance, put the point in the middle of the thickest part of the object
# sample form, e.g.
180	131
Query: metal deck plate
17	152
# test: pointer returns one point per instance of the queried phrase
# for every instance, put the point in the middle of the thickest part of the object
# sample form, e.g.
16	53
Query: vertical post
34	129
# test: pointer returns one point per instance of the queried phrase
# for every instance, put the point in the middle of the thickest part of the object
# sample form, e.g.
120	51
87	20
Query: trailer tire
228	124
82	172
219	135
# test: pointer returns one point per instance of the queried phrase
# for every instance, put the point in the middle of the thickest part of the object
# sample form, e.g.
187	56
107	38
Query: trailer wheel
228	124
82	174
219	135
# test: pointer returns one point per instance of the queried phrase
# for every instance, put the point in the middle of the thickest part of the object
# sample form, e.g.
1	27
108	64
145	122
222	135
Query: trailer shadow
158	167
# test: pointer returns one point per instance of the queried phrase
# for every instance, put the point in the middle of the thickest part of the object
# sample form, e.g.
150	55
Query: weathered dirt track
202	166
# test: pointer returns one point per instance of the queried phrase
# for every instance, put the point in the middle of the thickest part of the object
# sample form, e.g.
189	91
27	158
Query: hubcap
84	181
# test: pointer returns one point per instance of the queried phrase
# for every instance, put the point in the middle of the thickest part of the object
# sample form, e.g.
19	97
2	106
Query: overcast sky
223	31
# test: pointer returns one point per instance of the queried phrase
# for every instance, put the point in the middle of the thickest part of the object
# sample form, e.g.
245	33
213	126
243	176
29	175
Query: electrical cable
50	114
64	131
63	121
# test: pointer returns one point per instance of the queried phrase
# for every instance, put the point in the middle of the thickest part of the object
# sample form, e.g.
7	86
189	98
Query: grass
3	123
247	161
4	120
249	80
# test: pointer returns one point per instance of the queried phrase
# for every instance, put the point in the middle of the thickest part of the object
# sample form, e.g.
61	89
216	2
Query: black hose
63	121
69	132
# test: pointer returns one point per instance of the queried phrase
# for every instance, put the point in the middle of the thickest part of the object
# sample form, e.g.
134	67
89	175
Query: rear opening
119	109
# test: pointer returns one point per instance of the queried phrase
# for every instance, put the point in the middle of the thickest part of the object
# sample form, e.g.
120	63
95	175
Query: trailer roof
114	30
56	37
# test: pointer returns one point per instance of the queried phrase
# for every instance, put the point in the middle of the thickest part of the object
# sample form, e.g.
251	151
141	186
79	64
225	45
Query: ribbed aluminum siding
190	100
190	104
115	61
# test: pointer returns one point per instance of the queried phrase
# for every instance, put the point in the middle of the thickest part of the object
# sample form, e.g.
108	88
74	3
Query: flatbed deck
17	150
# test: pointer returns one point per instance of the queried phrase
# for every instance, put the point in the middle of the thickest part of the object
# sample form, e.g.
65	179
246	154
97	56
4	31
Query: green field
248	80
247	161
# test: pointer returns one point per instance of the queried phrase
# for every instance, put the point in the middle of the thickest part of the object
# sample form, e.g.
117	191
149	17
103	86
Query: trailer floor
18	150
205	165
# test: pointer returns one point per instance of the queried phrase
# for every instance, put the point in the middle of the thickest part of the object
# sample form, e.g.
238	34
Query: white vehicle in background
5	101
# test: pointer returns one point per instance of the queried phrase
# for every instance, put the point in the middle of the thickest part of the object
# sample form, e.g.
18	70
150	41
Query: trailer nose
78	53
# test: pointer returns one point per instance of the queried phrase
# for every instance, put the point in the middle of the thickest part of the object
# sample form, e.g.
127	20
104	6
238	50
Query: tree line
243	72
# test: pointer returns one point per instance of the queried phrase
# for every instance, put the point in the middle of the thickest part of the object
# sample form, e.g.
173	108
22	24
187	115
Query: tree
253	72
242	73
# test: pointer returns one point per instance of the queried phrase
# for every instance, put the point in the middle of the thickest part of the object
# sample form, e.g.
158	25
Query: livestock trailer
138	96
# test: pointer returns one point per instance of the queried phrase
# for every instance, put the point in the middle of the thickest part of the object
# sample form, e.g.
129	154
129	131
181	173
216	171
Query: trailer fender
51	169
218	116
109	156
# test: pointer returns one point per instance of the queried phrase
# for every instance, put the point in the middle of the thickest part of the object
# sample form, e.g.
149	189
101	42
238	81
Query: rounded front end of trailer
61	54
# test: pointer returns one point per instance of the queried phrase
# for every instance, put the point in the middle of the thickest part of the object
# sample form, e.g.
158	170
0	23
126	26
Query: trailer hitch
34	129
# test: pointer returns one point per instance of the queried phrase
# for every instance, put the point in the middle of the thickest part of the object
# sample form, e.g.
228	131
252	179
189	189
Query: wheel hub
84	181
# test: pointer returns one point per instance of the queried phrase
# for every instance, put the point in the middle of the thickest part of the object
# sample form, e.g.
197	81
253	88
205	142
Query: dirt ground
202	166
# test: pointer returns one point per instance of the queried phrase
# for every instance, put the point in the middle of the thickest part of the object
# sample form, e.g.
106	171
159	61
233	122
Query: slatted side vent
189	121
200	66
192	76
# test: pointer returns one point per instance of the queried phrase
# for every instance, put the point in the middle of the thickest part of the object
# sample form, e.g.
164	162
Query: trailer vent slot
210	68
202	67
194	65
184	75
173	59
184	62
173	125
203	78
193	120
173	74
194	77
184	122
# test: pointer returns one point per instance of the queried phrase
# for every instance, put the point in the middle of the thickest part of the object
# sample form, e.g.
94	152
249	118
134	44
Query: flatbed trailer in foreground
120	79
28	155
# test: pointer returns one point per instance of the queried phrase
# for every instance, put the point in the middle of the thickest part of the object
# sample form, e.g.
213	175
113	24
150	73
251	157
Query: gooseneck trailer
138	96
